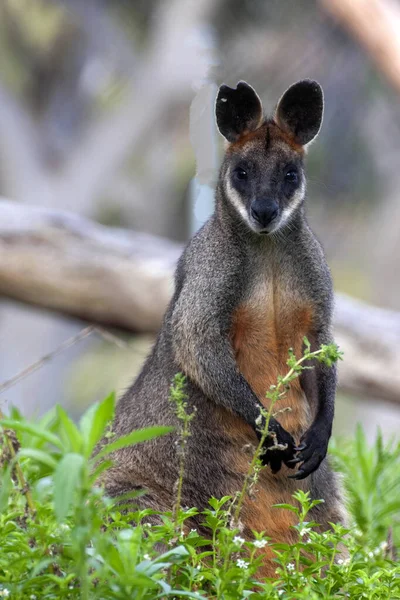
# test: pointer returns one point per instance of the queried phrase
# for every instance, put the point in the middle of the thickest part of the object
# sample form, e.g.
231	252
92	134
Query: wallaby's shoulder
212	252
314	264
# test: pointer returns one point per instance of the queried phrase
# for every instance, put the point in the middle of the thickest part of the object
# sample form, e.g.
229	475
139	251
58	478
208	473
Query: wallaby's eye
241	174
292	176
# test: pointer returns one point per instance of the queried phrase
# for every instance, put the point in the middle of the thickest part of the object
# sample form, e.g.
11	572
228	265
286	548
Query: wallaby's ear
237	111
299	111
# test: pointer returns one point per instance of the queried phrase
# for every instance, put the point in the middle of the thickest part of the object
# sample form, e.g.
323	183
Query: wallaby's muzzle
263	214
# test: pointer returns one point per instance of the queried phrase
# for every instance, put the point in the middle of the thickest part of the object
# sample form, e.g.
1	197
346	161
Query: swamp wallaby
249	286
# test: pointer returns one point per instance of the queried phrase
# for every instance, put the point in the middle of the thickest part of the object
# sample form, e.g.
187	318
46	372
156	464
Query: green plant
327	354
56	459
62	537
178	400
372	481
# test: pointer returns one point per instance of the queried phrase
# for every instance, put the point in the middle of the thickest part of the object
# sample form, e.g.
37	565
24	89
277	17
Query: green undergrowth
62	537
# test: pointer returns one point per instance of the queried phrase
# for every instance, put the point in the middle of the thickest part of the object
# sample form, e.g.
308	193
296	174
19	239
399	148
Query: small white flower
281	592
371	554
383	546
242	564
4	593
193	531
357	533
32	597
290	567
146	556
340	561
260	543
304	530
238	541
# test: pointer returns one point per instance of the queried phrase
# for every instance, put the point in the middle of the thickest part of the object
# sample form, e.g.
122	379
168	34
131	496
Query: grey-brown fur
230	264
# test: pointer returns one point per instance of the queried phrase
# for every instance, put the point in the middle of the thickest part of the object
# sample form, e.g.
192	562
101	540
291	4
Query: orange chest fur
263	330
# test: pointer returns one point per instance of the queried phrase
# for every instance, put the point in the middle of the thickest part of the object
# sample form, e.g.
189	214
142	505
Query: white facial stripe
236	201
235	198
294	203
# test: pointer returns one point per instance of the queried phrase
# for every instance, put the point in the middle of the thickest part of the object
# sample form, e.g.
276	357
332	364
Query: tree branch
60	261
369	337
376	25
64	262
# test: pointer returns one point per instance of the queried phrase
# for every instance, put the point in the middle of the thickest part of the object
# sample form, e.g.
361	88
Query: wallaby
249	286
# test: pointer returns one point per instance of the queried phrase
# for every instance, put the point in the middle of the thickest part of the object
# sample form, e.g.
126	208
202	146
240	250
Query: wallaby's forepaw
279	447
311	452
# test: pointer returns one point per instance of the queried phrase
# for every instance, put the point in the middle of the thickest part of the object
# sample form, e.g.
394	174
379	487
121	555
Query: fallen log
110	276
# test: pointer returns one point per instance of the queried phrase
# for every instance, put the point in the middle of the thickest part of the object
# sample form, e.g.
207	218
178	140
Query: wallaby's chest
272	318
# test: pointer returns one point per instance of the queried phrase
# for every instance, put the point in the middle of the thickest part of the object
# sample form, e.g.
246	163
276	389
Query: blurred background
100	101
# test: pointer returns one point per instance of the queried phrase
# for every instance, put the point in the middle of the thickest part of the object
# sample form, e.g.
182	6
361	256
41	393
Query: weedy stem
178	398
327	354
19	473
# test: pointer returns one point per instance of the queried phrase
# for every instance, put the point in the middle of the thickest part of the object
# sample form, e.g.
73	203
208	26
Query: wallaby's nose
264	212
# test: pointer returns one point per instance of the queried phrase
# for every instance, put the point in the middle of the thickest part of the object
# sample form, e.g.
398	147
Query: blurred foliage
32	32
106	365
372	480
62	537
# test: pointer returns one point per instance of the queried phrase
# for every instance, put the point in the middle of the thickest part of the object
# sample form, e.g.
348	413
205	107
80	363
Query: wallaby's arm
200	325
325	399
319	386
204	352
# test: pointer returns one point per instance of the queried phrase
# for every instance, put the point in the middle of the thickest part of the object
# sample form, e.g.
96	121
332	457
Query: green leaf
38	456
33	430
67	479
94	422
40	566
49	419
70	430
181	594
135	437
100	468
6	486
217	504
286	507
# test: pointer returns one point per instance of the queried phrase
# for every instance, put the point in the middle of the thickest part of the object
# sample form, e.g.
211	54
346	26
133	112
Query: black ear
299	111
237	111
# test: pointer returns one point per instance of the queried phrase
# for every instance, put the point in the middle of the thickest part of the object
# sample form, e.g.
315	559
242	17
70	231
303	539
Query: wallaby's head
262	175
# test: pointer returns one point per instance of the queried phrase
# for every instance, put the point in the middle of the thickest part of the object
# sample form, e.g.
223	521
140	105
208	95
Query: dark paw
279	447
310	453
